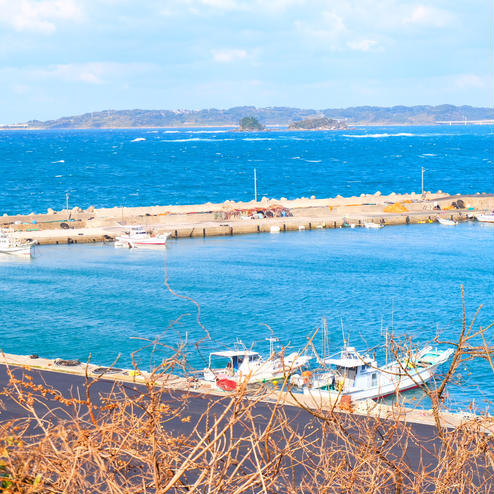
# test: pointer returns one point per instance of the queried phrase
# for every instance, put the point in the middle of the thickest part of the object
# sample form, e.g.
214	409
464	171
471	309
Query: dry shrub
151	438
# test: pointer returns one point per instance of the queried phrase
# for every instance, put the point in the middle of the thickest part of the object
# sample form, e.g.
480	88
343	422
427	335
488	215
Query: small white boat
358	376
243	365
485	218
10	246
138	237
447	222
372	225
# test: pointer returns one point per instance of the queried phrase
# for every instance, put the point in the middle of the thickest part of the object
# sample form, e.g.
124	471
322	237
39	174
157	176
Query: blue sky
64	57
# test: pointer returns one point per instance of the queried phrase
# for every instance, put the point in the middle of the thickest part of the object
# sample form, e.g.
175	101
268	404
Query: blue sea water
71	301
142	167
74	300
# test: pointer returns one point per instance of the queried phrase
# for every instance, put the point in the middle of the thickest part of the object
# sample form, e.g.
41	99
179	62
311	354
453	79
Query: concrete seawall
230	218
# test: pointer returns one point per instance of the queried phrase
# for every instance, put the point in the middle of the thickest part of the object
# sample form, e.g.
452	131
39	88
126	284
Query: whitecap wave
258	139
138	139
378	136
59	161
196	139
207	131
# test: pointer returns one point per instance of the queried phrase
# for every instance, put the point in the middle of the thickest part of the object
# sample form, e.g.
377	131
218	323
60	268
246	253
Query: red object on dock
226	384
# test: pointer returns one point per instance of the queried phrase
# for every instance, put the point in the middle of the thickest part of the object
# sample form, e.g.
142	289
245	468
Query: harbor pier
236	218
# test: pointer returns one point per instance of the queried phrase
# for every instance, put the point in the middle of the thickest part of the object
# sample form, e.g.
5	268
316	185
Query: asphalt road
416	453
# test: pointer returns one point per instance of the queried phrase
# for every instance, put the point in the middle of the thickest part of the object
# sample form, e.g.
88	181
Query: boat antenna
325	341
343	331
386	345
272	340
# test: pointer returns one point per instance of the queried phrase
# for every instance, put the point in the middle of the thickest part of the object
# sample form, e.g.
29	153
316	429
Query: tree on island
250	124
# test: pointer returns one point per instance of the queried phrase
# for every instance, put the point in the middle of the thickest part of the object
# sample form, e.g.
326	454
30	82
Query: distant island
250	124
269	116
318	124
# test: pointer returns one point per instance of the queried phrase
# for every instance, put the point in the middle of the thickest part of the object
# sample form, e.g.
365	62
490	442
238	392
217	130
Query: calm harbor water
70	301
142	167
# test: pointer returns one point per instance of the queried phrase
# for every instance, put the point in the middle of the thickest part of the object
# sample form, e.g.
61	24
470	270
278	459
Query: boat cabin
235	360
354	368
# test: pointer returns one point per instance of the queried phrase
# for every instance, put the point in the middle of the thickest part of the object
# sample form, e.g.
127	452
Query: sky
67	57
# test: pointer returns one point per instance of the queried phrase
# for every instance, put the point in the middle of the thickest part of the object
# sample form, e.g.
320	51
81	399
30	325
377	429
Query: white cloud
86	73
466	81
259	7
328	30
228	55
221	4
38	16
429	16
362	45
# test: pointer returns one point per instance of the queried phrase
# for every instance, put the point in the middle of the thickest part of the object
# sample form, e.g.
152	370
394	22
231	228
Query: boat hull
130	243
17	251
485	218
402	383
446	222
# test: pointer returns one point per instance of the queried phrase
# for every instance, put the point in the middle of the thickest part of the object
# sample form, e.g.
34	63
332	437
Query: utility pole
67	202
423	170
255	185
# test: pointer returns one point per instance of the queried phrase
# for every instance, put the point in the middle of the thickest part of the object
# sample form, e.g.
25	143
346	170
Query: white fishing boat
231	367
485	218
359	376
371	225
138	237
10	246
447	222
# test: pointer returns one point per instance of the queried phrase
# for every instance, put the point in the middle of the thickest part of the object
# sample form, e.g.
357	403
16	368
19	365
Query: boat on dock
359	376
139	237
10	246
447	222
229	368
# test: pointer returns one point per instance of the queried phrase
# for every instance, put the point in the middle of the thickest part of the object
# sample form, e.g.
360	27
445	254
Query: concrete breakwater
233	218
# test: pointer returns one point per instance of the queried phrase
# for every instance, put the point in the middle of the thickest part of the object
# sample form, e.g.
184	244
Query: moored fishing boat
371	225
359	376
485	218
230	367
10	246
138	237
447	222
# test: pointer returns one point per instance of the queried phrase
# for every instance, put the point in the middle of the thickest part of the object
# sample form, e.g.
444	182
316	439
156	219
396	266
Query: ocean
73	301
143	167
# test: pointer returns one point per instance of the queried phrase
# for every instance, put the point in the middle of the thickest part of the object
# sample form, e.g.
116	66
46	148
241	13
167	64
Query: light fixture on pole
255	185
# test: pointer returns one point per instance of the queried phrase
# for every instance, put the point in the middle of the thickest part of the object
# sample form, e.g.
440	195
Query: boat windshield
218	362
348	372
